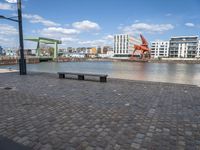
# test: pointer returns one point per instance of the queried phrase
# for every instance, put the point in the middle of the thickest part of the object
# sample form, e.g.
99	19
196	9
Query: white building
76	55
198	50
124	45
159	49
183	47
10	52
109	54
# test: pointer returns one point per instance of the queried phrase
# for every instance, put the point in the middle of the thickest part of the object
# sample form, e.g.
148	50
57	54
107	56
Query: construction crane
143	50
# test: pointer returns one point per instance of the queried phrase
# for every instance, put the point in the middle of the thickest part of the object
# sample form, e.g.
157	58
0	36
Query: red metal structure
143	50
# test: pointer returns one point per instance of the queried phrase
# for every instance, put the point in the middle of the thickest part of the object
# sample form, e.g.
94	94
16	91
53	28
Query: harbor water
159	72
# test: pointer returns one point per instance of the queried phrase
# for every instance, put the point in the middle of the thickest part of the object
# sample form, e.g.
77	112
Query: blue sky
94	22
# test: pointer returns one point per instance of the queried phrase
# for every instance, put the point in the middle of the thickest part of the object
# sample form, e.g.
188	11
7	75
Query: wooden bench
81	76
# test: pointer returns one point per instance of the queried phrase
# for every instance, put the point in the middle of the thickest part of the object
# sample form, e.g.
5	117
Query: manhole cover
8	88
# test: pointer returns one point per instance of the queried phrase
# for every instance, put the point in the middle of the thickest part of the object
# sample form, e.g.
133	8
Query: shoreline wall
14	60
35	60
176	61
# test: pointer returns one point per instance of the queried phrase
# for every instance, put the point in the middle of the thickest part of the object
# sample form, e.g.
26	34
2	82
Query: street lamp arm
12	19
8	18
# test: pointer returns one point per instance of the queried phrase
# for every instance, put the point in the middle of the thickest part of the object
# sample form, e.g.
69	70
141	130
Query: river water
160	72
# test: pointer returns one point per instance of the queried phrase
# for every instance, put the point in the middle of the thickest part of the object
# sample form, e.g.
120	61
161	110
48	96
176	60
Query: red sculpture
143	49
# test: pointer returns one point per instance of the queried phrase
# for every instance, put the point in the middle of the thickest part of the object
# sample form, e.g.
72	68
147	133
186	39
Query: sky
94	22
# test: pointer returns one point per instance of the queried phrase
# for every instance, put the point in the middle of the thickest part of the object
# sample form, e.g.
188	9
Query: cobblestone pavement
44	112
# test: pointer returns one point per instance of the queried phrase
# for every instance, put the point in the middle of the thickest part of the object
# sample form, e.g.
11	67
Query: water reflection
175	73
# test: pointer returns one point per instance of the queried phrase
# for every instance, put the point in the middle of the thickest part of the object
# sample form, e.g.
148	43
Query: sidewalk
7	70
41	111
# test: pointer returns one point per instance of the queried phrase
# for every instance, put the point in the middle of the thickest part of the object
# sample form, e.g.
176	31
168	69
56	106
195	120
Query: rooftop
193	36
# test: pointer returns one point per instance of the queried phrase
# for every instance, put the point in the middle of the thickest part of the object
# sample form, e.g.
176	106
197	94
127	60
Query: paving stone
149	134
88	115
135	145
182	143
89	148
140	136
188	133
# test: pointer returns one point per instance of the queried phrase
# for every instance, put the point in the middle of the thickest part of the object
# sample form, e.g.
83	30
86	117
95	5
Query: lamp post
22	60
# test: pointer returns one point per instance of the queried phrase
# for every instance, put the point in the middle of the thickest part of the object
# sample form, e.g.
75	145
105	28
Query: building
27	52
93	50
124	45
1	50
107	52
69	50
198	50
81	50
159	49
106	49
183	47
76	55
99	50
12	52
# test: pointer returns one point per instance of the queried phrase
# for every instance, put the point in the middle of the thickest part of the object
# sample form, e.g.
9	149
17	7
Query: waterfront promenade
43	112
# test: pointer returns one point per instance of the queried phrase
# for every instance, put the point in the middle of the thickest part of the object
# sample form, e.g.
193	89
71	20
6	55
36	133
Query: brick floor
47	113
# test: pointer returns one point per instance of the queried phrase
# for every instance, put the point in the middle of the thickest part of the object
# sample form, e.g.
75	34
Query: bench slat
81	76
86	74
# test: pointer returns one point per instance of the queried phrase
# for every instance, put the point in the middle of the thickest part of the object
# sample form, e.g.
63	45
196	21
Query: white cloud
39	19
120	27
8	35
11	1
86	25
54	31
69	39
107	40
109	37
7	30
189	24
148	28
6	6
8	41
64	34
93	42
2	39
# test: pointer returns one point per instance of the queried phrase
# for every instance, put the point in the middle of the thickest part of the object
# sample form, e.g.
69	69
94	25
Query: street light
22	60
10	18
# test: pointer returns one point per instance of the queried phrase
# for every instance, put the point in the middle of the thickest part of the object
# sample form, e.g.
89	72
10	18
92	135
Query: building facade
1	50
11	52
198	50
183	47
159	49
124	45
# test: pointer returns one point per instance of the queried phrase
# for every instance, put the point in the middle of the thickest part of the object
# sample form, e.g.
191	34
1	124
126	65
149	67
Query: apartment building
124	45
198	50
183	47
159	49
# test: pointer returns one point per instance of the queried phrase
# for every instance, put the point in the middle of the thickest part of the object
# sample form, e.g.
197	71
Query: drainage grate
8	88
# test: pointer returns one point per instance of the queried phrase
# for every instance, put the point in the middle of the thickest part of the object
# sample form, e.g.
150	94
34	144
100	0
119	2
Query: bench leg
103	79
61	76
80	77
